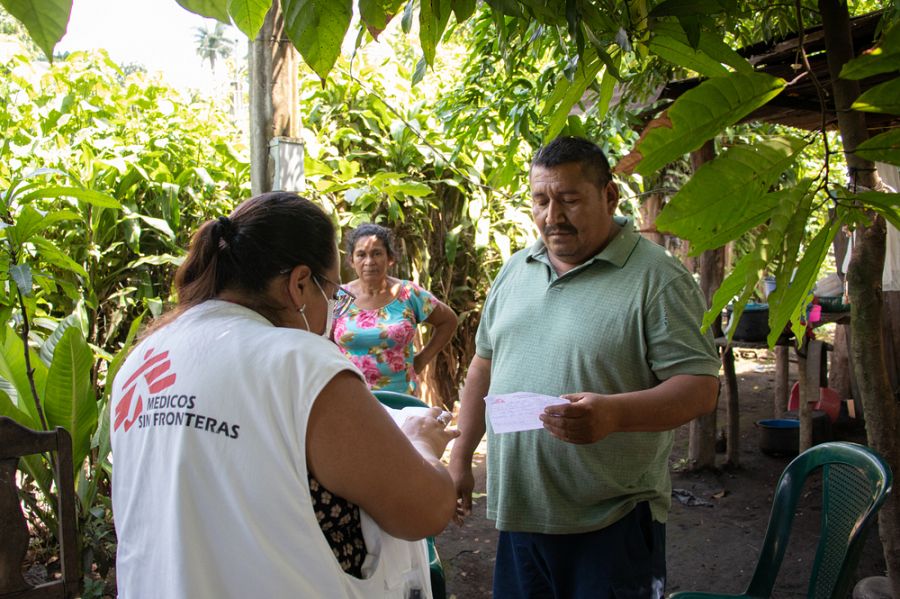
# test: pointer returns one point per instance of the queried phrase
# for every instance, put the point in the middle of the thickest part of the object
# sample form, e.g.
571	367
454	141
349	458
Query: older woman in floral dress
377	331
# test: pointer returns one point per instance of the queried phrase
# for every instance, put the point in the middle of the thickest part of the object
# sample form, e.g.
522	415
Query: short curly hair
368	230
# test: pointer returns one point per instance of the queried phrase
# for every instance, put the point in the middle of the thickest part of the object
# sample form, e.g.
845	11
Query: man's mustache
556	229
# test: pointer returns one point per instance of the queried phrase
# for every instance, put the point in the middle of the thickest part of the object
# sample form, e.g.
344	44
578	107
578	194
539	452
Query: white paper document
520	411
402	414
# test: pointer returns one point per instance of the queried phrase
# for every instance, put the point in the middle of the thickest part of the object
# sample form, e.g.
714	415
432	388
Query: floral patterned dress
380	341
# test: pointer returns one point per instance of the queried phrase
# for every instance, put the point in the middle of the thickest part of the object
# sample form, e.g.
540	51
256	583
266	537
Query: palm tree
213	44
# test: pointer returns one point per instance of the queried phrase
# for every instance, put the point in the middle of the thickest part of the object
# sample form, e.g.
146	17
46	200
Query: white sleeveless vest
208	422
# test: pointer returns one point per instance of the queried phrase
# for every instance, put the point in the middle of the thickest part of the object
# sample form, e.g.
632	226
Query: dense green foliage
442	162
102	177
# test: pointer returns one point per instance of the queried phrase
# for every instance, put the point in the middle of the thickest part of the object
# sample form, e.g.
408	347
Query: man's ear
612	195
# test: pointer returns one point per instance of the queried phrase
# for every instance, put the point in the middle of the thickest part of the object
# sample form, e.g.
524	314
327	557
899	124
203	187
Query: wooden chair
16	441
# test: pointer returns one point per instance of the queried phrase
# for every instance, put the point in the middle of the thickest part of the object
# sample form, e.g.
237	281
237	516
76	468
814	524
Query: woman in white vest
250	458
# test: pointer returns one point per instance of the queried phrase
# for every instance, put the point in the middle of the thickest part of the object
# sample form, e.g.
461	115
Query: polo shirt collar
617	252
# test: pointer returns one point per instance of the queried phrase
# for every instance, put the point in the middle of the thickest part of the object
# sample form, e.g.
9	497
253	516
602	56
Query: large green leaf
702	112
739	284
55	256
12	368
90	196
249	15
157	260
31	221
792	303
510	8
681	54
884	97
567	93
157	223
212	9
881	148
783	241
687	8
50	343
373	14
462	9
9	409
794	209
886	204
317	28
728	196
412	188
707	59
69	401
433	17
885	58
45	20
21	275
28	222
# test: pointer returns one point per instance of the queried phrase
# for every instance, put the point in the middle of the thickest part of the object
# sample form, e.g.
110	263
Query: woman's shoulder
408	289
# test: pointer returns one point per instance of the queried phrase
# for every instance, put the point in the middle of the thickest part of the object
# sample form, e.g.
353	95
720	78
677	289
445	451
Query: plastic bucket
779	436
829	401
753	325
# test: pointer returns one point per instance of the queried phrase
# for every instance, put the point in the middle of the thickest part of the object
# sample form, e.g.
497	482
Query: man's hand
586	419
464	481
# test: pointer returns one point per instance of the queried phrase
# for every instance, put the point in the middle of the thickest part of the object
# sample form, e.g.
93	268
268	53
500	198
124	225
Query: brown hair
264	236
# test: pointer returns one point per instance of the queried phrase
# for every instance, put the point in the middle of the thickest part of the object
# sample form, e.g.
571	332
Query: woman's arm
357	452
444	321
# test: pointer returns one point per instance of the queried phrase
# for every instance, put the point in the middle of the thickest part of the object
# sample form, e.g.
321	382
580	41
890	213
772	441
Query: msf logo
155	371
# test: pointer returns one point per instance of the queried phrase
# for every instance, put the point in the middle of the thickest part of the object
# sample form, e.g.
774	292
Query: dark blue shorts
626	560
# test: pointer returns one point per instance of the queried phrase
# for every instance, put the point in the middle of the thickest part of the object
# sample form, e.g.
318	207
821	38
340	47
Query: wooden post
782	368
839	375
273	96
733	432
702	433
803	405
810	370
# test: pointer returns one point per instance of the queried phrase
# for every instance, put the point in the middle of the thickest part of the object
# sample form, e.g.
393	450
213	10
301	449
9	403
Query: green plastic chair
398	401
855	482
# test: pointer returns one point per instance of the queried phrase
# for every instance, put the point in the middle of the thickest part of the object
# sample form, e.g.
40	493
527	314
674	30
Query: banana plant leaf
69	400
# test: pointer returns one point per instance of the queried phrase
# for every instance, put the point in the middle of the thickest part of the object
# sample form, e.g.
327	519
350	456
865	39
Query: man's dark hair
567	149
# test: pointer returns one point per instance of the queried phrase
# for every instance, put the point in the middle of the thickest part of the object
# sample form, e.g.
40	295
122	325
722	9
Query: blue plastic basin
779	423
779	436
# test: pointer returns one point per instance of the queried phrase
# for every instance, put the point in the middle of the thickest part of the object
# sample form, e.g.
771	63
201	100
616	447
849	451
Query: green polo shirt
625	320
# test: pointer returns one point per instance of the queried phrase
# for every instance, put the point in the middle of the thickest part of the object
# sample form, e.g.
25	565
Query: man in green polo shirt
610	322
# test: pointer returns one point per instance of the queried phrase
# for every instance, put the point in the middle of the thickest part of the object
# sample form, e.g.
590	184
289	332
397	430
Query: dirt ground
709	548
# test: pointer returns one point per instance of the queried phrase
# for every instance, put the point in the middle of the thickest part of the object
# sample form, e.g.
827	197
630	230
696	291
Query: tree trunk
702	435
864	282
273	96
650	209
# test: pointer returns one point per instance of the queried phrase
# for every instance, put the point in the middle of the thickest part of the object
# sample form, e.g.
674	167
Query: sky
156	33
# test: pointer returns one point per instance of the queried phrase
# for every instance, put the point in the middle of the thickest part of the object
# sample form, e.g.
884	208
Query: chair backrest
16	442
855	482
398	401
